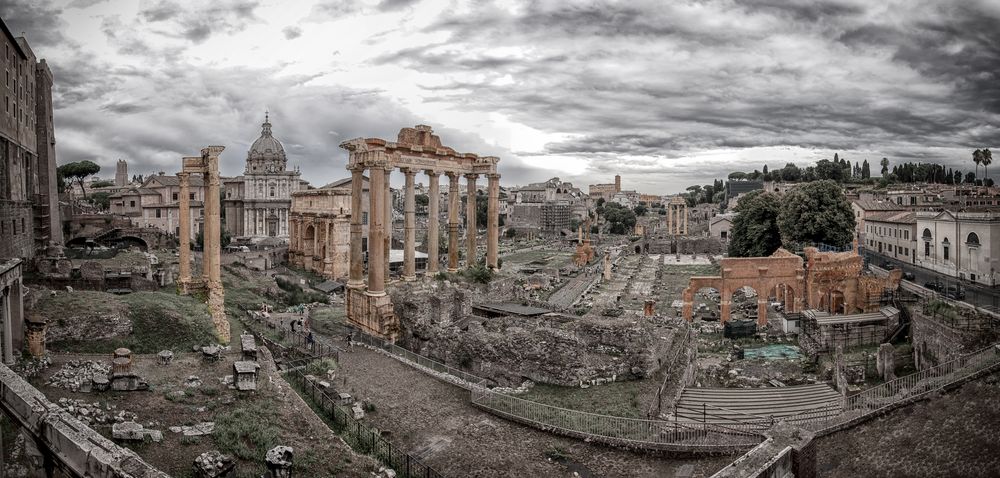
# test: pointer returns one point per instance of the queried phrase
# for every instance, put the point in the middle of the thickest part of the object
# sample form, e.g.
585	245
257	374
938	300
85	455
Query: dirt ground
953	434
435	420
247	423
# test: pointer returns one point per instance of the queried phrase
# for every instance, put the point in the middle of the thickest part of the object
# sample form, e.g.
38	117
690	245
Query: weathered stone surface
214	464
552	349
885	362
279	461
132	431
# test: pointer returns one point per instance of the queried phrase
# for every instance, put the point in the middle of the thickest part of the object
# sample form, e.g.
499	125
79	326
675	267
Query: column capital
452	175
183	175
409	172
471	176
432	173
493	176
357	167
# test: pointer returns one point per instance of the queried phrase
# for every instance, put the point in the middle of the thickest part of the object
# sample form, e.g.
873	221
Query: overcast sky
665	93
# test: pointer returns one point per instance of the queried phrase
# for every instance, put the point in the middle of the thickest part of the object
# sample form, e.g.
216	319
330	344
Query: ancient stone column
213	249
357	278
649	308
328	249
885	362
761	310
409	228
685	220
376	230
434	194
184	209
453	202
493	220
387	240
670	223
607	267
470	220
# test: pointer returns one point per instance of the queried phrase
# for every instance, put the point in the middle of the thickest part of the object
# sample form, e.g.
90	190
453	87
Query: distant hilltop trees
841	170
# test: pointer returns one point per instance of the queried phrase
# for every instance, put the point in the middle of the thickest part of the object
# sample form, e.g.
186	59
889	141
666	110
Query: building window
191	196
158	213
272	191
174	196
944	248
927	249
131	204
927	234
364	218
972	240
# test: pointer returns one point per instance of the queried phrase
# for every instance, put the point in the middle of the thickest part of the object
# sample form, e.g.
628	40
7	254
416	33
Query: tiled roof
873	205
905	217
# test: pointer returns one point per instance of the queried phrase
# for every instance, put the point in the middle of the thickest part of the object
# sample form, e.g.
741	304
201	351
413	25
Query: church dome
266	147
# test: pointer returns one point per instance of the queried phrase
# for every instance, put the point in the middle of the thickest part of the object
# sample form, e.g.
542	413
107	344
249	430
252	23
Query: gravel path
434	420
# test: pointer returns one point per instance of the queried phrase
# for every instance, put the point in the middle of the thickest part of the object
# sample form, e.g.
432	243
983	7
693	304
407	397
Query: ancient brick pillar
35	335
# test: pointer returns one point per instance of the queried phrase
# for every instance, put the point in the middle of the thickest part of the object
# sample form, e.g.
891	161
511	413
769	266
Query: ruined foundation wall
436	321
934	342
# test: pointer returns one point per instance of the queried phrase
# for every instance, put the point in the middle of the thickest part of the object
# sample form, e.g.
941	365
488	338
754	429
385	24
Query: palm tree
977	157
987	159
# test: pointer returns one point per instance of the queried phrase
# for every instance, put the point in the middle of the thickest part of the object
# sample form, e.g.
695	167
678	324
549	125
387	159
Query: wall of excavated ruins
437	321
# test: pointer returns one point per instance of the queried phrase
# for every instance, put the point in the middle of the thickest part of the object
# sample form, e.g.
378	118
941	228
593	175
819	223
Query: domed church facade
257	203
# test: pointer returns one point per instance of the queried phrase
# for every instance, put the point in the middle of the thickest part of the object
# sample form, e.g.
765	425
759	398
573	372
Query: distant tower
121	173
618	183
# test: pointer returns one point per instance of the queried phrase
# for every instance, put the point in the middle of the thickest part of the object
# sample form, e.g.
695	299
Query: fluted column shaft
387	241
493	220
357	277
184	209
470	220
434	194
453	204
376	232
409	228
212	239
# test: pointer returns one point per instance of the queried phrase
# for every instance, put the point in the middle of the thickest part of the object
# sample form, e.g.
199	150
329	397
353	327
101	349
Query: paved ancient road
572	290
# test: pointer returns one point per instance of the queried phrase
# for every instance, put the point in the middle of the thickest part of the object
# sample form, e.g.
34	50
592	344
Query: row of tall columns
380	223
677	219
184	280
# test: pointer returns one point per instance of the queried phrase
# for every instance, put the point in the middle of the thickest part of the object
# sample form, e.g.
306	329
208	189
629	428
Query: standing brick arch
831	281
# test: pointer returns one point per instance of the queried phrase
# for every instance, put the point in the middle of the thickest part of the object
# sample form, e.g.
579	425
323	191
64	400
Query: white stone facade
257	203
962	244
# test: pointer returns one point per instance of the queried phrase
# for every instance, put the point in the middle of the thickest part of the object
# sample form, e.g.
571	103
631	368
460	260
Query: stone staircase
753	405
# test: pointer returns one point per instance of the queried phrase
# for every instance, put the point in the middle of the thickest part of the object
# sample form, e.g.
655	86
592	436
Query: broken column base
372	314
217	308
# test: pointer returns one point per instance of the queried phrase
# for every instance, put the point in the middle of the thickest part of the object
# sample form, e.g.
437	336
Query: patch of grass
248	430
620	399
319	367
160	321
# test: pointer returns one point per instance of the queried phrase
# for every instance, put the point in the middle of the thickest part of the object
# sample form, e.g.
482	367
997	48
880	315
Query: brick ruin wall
935	342
437	322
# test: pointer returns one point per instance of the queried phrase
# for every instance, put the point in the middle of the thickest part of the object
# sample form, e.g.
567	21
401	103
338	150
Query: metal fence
613	430
359	436
653	434
909	387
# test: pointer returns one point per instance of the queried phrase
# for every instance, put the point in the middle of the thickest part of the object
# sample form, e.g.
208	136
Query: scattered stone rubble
213	464
279	462
93	413
78	375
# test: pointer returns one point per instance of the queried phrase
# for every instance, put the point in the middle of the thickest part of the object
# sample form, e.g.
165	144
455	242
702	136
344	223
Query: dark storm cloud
199	23
664	79
38	19
291	33
392	5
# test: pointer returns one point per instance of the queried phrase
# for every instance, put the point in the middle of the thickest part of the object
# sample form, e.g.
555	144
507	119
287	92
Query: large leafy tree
621	218
755	229
885	167
79	171
816	213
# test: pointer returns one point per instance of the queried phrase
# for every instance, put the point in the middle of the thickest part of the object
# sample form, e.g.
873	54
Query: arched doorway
745	303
